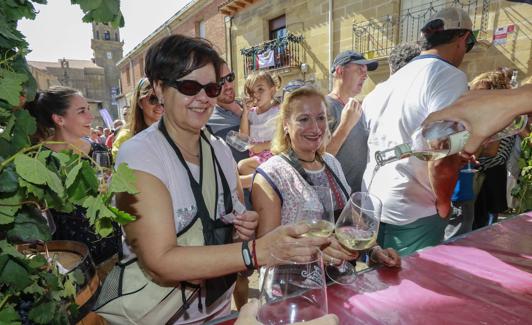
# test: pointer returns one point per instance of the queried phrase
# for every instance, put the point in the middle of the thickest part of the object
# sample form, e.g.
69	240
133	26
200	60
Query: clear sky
58	31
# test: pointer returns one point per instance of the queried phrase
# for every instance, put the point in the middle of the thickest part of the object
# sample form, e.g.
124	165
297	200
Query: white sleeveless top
149	152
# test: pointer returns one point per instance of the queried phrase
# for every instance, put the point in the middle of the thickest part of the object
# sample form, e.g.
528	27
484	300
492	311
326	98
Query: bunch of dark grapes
23	309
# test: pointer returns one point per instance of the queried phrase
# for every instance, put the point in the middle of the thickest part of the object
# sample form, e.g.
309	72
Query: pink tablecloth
485	277
482	278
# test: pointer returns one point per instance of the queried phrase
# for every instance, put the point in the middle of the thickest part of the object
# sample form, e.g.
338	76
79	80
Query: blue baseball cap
346	57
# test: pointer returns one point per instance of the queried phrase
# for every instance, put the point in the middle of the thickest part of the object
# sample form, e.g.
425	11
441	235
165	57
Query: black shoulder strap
337	180
228	201
203	212
290	158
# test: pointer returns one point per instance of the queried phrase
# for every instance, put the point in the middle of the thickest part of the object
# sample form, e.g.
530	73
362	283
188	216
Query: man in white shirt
416	194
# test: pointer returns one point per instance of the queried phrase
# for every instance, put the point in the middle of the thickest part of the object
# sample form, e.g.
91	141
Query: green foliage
9	316
33	179
523	190
101	11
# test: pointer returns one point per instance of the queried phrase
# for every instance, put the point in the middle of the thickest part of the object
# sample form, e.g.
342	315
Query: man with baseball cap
416	195
348	135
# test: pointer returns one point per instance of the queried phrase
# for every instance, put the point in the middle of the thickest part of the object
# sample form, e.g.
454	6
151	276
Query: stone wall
186	24
310	18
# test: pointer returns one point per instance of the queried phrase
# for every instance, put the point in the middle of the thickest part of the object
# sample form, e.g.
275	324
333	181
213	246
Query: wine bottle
441	139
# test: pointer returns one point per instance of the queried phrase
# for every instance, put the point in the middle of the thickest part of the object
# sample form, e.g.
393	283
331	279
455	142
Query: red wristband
254	254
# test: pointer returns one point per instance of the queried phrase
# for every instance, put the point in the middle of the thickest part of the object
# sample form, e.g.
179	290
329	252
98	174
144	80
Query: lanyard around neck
195	186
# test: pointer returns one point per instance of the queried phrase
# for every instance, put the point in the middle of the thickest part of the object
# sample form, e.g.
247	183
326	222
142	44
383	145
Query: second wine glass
356	229
103	172
318	213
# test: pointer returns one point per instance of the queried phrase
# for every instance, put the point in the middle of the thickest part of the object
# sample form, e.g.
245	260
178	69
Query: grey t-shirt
221	122
353	154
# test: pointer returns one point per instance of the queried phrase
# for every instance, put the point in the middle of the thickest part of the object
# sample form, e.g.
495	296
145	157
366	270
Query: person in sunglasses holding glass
227	111
416	195
145	110
184	249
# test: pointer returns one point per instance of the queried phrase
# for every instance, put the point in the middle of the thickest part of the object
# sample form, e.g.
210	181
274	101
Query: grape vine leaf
10	250
8	32
43	313
9	207
33	189
121	216
123	180
87	5
15	275
64	157
29	227
72	174
10	85
6	133
89	177
25	122
51	280
34	171
31	169
8	180
9	316
55	184
93	206
103	226
70	288
4	113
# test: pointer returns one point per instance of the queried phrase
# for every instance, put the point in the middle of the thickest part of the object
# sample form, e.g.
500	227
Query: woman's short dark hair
55	100
175	56
429	41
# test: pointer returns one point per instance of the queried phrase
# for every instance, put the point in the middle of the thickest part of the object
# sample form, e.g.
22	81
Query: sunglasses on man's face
471	41
191	87
228	78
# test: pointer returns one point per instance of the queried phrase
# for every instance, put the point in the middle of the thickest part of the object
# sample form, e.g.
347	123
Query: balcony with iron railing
281	53
377	37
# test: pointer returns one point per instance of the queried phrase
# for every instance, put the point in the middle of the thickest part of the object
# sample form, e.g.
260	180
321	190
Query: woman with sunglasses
145	111
181	259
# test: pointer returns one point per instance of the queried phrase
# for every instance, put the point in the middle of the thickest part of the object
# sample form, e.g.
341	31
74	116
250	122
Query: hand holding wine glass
294	289
356	229
248	316
318	213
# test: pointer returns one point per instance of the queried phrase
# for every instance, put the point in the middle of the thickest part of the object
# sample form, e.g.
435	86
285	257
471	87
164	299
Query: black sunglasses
471	41
228	78
191	87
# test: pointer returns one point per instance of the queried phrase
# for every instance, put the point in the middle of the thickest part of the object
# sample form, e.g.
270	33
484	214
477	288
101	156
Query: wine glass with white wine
356	229
318	213
103	170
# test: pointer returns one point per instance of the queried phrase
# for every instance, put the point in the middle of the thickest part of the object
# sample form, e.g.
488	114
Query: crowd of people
181	260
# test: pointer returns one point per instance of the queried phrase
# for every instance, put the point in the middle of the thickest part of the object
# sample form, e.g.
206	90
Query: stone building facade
199	18
372	27
108	50
97	79
83	75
